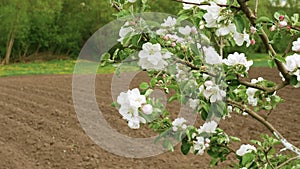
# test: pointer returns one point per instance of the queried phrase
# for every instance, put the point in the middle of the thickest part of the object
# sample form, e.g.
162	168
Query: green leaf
271	63
248	159
153	82
235	139
185	147
264	19
280	58
239	22
294	80
295	18
136	39
144	86
277	15
172	98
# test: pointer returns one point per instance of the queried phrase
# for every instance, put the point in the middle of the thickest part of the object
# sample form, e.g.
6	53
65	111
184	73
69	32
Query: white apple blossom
185	30
213	92
244	149
211	55
212	15
257	80
208	127
296	45
240	38
221	2
251	96
238	59
130	102
125	29
226	29
152	58
189	6
194	103
147	109
200	145
229	109
134	122
283	24
179	123
169	22
132	1
292	62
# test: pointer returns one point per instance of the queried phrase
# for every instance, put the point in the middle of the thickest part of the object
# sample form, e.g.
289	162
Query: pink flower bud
281	17
164	76
273	28
289	27
147	109
173	44
252	29
165	37
252	41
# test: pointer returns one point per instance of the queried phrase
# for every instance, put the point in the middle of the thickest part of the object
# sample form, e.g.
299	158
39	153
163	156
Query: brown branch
287	50
263	88
287	161
266	124
253	85
295	28
201	4
117	7
256	7
252	18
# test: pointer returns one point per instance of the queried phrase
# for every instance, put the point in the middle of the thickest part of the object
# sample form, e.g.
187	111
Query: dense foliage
58	27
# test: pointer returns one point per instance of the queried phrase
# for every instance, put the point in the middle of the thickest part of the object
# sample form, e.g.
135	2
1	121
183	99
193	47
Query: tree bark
9	47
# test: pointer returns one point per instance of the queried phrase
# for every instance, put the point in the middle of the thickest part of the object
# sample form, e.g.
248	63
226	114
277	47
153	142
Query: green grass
67	67
47	68
259	59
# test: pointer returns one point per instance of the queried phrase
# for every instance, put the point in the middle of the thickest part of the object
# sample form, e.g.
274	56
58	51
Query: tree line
61	27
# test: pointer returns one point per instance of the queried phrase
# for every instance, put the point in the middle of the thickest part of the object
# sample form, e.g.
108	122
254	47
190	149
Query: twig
263	88
268	160
201	4
287	50
256	7
268	125
221	47
252	18
287	161
295	28
117	7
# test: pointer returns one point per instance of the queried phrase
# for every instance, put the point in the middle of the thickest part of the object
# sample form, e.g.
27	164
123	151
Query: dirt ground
39	128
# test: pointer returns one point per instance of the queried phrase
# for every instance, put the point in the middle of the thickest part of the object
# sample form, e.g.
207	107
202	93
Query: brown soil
39	127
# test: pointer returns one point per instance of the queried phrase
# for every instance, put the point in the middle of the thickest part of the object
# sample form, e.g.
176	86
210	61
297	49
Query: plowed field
39	128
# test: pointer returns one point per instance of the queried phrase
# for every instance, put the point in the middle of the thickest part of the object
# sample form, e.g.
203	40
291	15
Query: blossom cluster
130	102
200	143
152	57
220	18
293	62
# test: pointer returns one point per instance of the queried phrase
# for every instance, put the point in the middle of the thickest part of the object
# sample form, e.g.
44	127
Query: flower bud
252	29
173	44
273	28
165	37
281	17
194	30
252	41
147	109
